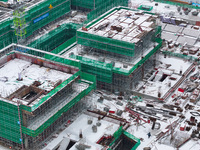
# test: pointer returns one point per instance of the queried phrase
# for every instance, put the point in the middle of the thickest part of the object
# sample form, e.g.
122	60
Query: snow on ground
3	148
163	8
10	72
170	66
90	138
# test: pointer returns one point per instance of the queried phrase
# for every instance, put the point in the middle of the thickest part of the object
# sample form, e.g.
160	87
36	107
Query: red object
112	112
100	139
68	122
148	121
84	29
173	95
180	90
182	128
198	23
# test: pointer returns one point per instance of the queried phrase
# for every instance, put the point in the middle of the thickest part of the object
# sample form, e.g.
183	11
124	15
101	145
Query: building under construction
119	47
54	54
34	106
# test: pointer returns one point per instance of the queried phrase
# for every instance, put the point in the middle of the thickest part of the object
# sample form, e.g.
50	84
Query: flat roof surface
10	72
90	138
124	25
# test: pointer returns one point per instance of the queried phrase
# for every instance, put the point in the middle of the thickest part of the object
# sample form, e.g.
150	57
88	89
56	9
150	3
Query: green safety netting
89	4
9	119
7	35
105	6
181	55
41	14
103	71
68	44
104	43
145	7
9	122
121	131
37	17
55	38
91	80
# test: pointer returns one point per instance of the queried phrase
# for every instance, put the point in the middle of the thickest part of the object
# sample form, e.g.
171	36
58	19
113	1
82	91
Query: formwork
32	114
55	38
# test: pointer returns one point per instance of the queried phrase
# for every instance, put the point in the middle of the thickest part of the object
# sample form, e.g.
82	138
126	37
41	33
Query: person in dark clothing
149	134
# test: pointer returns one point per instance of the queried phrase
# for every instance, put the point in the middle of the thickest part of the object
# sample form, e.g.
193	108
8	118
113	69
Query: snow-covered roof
125	25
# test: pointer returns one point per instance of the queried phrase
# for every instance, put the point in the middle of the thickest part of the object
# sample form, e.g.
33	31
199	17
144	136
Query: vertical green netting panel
101	70
33	19
6	33
54	38
107	44
60	7
121	131
105	6
99	4
9	122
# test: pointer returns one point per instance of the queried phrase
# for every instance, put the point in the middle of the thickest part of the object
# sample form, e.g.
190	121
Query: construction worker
149	134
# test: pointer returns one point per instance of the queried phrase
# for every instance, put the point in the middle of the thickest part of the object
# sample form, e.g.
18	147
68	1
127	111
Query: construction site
99	75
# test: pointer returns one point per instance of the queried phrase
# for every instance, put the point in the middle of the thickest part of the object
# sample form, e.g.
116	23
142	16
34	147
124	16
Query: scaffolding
19	24
41	119
98	4
55	38
31	19
40	15
109	76
7	35
105	6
